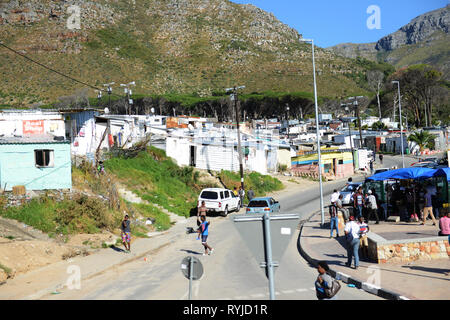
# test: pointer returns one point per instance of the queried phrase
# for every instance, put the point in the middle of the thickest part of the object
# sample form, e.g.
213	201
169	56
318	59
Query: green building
36	162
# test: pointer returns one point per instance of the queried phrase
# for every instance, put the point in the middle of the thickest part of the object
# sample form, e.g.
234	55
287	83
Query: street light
401	126
317	130
128	92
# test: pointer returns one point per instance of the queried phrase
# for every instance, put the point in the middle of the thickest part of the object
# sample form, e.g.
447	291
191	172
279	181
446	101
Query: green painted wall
18	167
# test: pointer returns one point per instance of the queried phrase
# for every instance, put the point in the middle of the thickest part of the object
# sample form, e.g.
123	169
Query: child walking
203	232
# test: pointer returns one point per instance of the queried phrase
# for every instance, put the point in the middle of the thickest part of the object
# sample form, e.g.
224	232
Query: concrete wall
17	167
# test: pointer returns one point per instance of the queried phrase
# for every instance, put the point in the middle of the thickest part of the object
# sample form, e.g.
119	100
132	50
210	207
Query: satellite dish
106	110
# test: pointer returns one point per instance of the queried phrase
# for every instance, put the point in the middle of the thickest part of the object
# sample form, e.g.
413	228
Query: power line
50	69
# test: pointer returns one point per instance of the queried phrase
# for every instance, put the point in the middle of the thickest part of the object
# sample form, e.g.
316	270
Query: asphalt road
230	273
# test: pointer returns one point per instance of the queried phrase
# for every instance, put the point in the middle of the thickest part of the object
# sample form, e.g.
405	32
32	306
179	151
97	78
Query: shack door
193	150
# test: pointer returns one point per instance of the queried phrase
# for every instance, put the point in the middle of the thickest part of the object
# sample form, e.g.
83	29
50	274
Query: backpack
335	287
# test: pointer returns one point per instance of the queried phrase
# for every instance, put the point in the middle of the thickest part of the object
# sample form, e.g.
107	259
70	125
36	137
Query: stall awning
407	173
443	172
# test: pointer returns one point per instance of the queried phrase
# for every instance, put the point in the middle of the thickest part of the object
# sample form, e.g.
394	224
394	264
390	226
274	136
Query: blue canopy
416	173
443	172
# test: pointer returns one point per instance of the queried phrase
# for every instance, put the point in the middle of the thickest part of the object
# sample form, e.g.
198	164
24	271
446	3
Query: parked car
379	170
422	164
263	205
219	200
347	192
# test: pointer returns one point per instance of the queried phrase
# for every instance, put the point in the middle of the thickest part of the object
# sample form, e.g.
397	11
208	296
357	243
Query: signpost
267	242
192	269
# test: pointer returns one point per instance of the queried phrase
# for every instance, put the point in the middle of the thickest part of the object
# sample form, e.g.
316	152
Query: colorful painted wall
336	163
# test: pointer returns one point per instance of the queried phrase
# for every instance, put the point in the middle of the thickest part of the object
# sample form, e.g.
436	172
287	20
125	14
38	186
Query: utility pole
234	97
109	90
287	119
355	103
128	92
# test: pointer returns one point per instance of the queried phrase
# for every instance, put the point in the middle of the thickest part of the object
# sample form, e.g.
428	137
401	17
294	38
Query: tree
424	139
375	80
418	86
378	126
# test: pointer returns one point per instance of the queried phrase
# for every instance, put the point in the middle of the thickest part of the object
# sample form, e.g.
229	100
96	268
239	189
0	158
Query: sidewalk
48	280
424	280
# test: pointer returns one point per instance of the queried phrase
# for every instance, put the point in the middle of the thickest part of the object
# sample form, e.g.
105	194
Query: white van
219	200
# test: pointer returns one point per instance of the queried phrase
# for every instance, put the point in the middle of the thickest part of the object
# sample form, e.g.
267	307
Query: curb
383	293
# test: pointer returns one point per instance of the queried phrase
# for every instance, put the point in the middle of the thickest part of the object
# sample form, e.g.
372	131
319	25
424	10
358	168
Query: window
211	195
44	158
341	162
227	195
221	195
258	204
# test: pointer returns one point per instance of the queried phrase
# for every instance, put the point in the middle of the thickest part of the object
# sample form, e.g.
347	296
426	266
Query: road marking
257	295
301	290
241	298
287	291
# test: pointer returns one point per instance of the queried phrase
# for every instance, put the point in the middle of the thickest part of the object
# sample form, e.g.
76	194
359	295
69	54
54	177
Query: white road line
301	290
241	298
288	291
313	288
257	295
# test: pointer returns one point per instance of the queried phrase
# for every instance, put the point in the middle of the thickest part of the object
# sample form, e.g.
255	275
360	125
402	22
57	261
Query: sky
330	22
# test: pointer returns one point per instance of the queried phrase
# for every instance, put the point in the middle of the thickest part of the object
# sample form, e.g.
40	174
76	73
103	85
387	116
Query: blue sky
330	22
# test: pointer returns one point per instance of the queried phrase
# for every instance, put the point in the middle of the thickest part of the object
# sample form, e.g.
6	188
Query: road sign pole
191	271
269	262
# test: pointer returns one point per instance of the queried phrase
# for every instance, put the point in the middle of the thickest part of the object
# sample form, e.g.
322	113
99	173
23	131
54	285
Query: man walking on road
126	233
201	211
250	194
428	208
358	201
372	207
242	196
203	232
352	235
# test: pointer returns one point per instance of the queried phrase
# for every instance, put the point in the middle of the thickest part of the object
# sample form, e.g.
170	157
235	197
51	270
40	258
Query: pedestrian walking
326	286
201	211
341	208
381	158
363	241
250	194
126	233
358	202
242	196
428	208
334	223
352	236
372	207
203	232
371	166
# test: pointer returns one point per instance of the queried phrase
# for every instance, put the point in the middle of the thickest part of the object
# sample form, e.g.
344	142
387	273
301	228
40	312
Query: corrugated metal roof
31	139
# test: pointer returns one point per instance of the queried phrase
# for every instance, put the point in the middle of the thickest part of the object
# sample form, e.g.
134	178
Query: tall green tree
418	85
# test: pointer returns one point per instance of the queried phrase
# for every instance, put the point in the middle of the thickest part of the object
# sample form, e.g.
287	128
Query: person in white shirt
334	196
363	241
351	231
372	207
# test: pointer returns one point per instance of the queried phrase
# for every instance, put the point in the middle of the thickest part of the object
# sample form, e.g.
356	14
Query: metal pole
191	271
318	137
351	145
269	262
401	126
241	167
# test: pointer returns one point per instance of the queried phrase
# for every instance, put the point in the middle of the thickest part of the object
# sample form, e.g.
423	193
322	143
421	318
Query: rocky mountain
424	40
166	46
